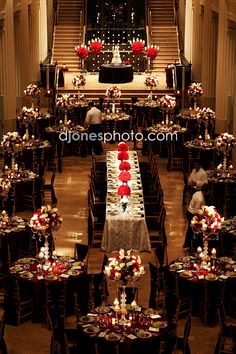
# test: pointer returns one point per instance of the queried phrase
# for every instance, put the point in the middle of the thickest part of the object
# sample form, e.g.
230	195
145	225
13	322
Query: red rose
122	147
124	166
124	190
126	62
82	52
123	155
152	53
96	47
124	176
137	48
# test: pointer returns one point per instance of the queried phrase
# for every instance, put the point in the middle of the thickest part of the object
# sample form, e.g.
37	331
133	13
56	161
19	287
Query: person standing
196	203
93	122
198	176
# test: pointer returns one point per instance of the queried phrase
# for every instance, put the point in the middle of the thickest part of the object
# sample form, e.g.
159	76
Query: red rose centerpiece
124	176
123	155
137	47
122	147
96	46
195	90
81	51
124	190
124	166
152	52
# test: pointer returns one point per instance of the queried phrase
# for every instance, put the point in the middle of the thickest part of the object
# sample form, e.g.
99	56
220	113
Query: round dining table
143	330
36	274
115	74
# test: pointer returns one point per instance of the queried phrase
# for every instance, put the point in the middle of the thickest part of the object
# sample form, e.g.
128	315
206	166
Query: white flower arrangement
11	142
78	80
195	89
113	92
124	265
45	219
207	220
32	90
167	102
151	81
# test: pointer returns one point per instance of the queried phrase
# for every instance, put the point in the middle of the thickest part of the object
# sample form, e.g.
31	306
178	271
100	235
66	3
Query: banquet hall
117	176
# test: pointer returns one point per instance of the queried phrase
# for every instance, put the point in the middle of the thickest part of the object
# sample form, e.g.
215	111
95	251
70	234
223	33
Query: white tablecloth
127	230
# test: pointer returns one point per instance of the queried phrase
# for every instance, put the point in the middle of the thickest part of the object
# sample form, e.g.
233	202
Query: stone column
9	78
197	42
34	40
24	49
206	53
43	34
188	29
221	69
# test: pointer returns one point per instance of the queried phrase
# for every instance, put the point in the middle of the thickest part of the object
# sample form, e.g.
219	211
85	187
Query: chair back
161	254
81	251
221	315
187	330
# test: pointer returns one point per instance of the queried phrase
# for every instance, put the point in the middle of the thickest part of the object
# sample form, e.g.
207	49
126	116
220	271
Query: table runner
127	230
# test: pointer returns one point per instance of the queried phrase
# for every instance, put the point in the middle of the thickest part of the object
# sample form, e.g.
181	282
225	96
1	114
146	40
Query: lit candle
199	249
6	167
213	252
116	304
113	321
201	255
133	304
231	167
200	137
41	255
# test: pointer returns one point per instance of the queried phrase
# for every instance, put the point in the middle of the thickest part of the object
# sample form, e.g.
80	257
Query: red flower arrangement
137	48
122	147
96	47
81	51
126	62
124	190
124	166
152	53
123	155
124	176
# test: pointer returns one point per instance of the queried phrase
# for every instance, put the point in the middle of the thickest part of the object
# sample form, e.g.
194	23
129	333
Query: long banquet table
127	230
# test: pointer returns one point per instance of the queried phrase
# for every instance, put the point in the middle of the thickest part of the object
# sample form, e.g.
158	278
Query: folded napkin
155	316
64	275
153	329
40	277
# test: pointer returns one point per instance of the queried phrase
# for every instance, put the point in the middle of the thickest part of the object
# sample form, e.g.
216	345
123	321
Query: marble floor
71	189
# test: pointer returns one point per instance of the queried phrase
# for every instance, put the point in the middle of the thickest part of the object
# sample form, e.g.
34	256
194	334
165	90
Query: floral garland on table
113	92
137	47
124	176
81	51
151	81
167	102
152	52
123	266
63	101
195	89
45	219
11	142
79	80
225	142
124	190
32	90
96	46
207	220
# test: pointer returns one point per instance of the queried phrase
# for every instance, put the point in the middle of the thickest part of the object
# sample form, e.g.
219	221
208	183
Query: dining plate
16	268
211	277
51	277
186	274
113	337
86	319
73	272
27	275
24	260
102	309
176	266
150	312
92	329
143	334
78	264
159	324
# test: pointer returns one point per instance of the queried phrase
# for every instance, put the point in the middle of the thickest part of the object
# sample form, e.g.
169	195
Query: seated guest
197	201
198	176
93	121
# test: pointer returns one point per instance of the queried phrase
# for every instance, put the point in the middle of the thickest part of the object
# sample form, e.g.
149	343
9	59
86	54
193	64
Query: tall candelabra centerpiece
113	93
28	116
195	90
32	91
167	104
12	143
225	143
42	223
122	267
151	81
207	222
206	117
63	103
78	81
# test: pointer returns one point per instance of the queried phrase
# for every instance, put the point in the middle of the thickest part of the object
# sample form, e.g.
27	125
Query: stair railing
55	20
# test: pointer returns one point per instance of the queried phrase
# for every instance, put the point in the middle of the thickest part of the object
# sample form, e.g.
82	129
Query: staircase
68	34
164	33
